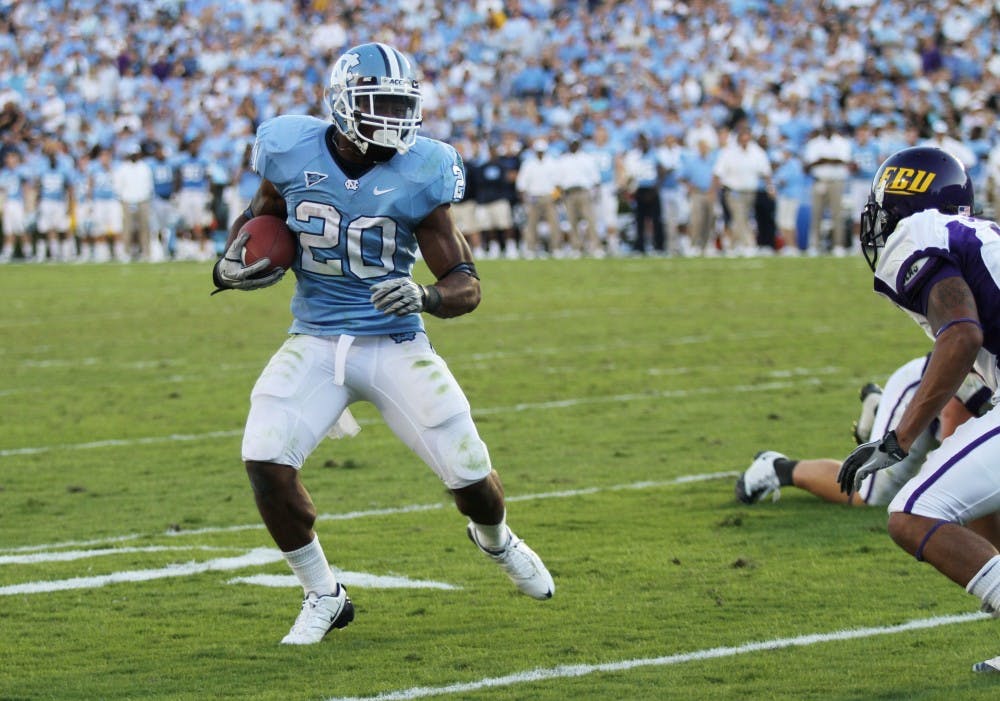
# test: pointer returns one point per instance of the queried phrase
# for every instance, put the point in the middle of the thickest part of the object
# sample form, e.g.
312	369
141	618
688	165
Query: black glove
867	459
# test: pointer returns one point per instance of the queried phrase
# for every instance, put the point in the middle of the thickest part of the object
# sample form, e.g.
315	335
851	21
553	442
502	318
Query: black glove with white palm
402	296
868	459
230	273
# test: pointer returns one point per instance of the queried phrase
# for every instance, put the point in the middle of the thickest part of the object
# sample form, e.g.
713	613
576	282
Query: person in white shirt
579	177
537	181
741	166
133	179
827	159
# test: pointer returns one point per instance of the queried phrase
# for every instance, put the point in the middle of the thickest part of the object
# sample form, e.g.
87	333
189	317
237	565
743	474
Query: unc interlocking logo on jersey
352	232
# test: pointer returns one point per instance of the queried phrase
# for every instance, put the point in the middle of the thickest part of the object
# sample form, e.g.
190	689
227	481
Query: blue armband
464	267
960	320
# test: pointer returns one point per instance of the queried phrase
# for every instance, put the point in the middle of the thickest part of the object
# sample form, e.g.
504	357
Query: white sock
986	584
492	537
313	571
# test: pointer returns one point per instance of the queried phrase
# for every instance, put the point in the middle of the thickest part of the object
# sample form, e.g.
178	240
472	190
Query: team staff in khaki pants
134	183
537	183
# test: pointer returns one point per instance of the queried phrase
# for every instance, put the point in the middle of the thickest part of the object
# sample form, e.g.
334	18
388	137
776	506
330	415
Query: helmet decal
904	181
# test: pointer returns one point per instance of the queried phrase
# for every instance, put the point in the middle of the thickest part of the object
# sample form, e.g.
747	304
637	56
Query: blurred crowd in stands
656	127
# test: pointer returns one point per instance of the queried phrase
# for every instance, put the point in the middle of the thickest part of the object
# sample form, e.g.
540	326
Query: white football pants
311	380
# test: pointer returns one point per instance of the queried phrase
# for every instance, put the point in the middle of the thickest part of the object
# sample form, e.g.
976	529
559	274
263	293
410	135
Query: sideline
580	670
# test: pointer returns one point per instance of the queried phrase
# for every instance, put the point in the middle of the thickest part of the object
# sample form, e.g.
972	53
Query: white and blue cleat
989	666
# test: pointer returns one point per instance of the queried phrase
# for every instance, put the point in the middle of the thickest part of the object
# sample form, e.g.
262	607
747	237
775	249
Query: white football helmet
374	97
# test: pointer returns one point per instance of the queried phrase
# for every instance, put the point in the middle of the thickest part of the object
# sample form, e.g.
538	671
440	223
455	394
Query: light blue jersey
867	158
605	157
102	182
352	233
54	183
12	181
194	172
163	177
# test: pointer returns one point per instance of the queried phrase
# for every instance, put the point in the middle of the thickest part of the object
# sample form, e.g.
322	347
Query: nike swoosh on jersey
379	191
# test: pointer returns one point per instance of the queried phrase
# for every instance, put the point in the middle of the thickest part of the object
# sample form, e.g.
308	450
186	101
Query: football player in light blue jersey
362	195
55	203
193	201
164	216
106	216
14	187
606	208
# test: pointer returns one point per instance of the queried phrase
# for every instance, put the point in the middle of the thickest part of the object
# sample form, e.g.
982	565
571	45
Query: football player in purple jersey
363	196
939	263
881	410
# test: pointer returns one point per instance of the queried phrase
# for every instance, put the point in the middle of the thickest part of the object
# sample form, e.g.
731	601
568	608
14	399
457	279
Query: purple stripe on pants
949	463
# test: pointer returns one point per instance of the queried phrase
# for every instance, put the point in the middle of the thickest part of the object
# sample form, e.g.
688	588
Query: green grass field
619	399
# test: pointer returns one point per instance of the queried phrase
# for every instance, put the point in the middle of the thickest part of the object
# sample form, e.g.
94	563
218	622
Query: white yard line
122	442
70	555
253	558
580	670
489	411
389	511
364	580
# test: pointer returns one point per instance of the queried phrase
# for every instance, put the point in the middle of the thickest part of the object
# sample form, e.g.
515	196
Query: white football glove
229	272
399	296
868	459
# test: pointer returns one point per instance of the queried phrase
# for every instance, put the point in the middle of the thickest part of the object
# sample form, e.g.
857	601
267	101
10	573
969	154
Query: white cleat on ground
871	395
992	665
320	615
760	479
521	564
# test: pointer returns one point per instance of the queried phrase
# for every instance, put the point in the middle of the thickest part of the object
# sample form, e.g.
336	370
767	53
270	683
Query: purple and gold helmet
910	181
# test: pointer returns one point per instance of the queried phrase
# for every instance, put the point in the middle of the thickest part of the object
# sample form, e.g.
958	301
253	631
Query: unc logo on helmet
374	98
911	181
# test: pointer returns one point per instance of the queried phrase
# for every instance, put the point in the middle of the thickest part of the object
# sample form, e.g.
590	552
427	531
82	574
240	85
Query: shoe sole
741	487
741	492
345	616
870	388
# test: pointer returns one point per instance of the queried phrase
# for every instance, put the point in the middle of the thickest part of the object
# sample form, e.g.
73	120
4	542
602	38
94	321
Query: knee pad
460	455
272	433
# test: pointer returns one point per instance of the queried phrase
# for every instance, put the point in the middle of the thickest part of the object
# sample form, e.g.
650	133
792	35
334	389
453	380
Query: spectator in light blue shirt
791	185
696	176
